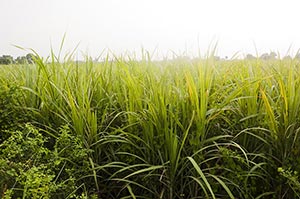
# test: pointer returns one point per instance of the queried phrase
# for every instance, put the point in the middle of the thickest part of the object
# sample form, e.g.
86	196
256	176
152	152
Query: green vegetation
144	129
8	59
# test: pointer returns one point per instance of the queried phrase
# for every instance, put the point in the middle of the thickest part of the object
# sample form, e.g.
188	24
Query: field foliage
126	128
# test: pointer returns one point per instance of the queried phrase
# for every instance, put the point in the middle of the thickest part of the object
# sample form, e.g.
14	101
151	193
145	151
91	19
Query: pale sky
182	26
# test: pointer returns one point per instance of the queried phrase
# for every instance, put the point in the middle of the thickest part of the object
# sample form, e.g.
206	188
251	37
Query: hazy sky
182	26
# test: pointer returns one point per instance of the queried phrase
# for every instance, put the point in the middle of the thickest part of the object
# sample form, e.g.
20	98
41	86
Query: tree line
272	55
8	59
29	58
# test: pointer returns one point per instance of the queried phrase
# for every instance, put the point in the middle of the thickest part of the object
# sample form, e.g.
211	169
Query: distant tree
6	60
266	56
30	58
272	55
21	60
287	57
250	57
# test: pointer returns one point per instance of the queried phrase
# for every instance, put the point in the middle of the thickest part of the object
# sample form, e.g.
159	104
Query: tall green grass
185	129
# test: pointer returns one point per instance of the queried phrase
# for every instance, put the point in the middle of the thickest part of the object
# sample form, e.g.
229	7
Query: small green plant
31	170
